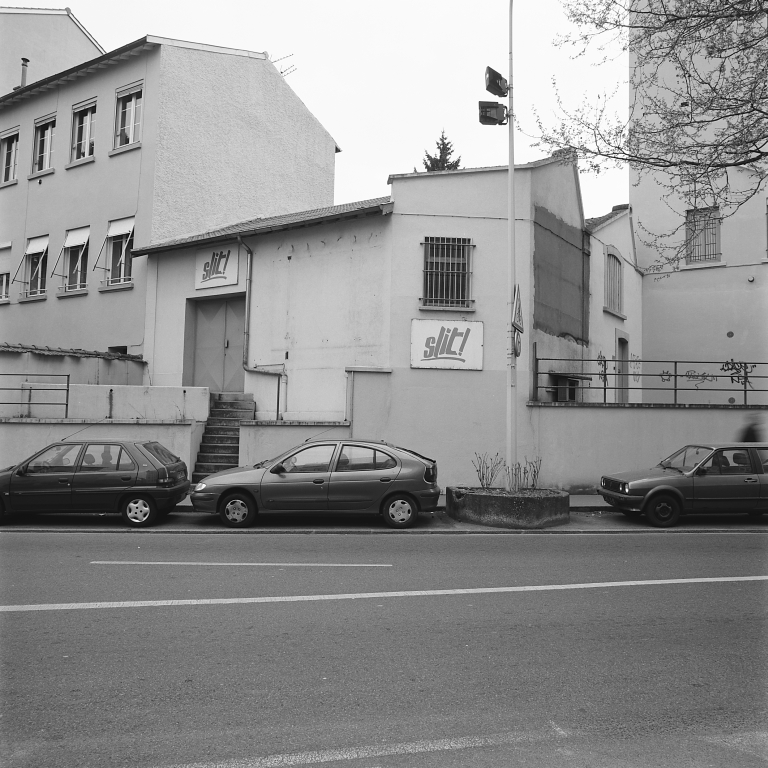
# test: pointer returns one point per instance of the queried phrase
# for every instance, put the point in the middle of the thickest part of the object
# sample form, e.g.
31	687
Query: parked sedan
139	479
321	475
729	477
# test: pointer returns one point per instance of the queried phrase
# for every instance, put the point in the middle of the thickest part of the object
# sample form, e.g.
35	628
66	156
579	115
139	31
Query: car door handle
750	480
126	479
385	479
64	482
319	481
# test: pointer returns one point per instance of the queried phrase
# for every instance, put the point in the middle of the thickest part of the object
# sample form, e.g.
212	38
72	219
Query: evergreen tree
442	160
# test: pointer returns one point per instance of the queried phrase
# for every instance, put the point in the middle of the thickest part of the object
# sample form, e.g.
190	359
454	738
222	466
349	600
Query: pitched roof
372	207
65	352
592	225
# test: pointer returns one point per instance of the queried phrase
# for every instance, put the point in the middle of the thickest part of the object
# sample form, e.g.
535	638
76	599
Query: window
75	252
44	133
5	285
613	283
447	272
729	462
82	132
314	459
128	117
57	458
702	235
10	152
356	458
118	242
35	265
100	457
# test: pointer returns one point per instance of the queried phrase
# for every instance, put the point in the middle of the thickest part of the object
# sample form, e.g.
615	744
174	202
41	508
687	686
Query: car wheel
237	510
139	511
400	511
663	511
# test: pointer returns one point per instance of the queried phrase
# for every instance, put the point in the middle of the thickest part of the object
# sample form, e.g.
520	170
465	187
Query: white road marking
368	595
383	750
279	565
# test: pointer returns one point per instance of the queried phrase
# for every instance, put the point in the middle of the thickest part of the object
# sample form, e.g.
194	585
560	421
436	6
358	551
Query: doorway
622	370
218	358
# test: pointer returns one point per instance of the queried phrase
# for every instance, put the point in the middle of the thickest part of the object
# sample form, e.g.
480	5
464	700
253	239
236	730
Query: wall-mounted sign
217	265
447	344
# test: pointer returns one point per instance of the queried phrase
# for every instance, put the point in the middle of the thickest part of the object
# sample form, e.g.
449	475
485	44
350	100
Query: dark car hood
235	475
643	474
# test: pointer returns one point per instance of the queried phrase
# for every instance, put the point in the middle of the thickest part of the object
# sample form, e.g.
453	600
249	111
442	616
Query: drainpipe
277	369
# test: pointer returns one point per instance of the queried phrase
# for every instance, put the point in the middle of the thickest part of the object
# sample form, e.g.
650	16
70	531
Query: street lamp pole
511	446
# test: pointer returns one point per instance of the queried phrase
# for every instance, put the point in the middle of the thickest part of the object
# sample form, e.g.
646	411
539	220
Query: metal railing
30	385
636	380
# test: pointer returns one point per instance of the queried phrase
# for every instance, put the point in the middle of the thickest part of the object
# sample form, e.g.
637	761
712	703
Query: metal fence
636	380
30	389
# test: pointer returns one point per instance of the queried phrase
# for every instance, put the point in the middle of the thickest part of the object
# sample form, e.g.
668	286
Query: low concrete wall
90	401
579	443
537	509
81	370
261	440
20	438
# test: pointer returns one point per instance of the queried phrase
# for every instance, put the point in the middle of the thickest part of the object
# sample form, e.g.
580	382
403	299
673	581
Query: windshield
686	458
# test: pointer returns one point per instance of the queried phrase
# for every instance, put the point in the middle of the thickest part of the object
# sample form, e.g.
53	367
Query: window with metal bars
702	235
613	287
447	272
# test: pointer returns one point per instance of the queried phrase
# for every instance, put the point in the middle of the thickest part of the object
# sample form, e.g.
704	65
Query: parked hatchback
323	475
139	479
728	477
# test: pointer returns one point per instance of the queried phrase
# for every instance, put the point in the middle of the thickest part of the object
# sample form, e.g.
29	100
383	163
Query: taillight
162	477
430	473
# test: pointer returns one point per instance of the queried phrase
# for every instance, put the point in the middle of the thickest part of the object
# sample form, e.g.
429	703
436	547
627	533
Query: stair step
209	439
197	477
226	449
229	396
230	414
229	458
215	421
232	405
233	431
210	467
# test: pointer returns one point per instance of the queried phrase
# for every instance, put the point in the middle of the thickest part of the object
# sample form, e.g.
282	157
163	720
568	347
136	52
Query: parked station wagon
325	475
141	479
729	477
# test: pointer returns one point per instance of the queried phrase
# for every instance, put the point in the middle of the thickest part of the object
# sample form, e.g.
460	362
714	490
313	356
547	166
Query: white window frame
45	131
131	130
5	285
36	246
10	156
444	285
614	281
82	144
119	230
75	248
702	235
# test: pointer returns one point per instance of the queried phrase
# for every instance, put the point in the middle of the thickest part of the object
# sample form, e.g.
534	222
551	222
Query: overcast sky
386	78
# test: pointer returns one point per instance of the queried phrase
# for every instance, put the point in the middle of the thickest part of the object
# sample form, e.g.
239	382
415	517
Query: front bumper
622	500
204	501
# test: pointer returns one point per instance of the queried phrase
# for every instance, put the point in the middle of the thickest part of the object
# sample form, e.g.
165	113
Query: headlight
602	482
200	486
625	487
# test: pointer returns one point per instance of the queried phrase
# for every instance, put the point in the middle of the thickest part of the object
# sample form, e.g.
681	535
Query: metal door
219	328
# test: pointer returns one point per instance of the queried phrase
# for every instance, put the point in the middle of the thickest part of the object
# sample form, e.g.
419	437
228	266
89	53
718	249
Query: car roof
347	440
735	444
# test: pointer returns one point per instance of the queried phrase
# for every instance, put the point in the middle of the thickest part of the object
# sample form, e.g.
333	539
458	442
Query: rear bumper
428	499
170	497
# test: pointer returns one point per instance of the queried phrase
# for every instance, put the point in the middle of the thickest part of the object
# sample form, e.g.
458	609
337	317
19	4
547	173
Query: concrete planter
496	507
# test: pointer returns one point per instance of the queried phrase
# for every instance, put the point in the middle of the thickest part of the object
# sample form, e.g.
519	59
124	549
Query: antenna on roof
290	69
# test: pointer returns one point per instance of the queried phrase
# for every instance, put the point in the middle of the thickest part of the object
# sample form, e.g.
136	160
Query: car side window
314	459
384	461
57	458
125	462
731	461
356	458
100	457
763	454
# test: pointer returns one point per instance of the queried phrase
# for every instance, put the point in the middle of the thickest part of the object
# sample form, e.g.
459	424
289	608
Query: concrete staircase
220	448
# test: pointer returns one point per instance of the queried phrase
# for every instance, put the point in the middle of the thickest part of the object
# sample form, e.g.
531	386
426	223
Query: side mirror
22	470
278	469
701	471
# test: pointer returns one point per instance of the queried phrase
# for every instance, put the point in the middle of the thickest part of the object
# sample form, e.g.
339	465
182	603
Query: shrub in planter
520	505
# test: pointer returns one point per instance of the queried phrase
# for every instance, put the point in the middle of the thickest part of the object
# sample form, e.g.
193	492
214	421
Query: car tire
237	510
139	511
662	511
400	511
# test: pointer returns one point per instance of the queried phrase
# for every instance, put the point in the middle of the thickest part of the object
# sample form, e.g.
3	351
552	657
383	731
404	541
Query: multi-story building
49	40
153	140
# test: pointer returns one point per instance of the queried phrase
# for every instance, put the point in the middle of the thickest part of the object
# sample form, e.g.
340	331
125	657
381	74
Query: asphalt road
285	650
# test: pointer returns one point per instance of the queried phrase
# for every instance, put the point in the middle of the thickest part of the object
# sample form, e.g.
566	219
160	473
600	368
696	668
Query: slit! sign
446	344
216	266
